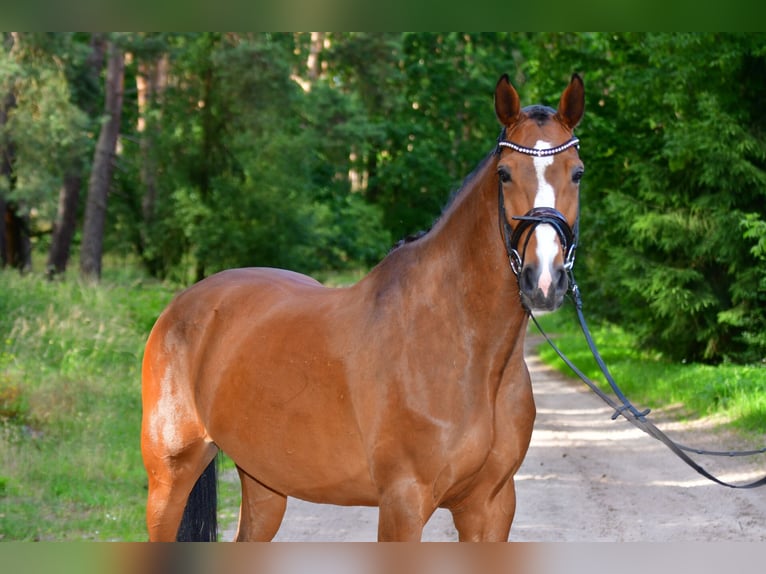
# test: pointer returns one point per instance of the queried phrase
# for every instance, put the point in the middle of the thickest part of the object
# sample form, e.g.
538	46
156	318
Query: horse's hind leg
171	478
261	512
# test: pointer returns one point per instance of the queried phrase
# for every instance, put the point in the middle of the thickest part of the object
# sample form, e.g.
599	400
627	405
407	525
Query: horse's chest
443	450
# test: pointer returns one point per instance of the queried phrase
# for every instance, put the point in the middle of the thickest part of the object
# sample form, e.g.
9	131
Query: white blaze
547	246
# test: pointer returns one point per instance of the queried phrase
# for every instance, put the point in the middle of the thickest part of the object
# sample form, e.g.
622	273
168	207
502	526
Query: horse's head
539	173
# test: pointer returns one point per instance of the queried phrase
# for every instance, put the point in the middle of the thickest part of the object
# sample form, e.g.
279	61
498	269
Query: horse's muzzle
543	290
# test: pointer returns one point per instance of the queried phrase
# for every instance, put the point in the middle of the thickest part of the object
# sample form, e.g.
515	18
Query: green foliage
44	127
442	125
261	157
249	176
675	189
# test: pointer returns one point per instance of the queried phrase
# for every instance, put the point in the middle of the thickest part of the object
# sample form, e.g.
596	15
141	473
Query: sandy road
588	478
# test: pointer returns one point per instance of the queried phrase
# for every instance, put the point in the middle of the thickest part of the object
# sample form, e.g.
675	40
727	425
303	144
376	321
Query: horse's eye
504	174
577	175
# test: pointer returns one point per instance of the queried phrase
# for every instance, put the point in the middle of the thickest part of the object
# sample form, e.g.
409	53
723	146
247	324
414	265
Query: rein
569	238
628	411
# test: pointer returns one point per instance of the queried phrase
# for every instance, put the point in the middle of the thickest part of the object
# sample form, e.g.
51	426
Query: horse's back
241	286
226	298
217	313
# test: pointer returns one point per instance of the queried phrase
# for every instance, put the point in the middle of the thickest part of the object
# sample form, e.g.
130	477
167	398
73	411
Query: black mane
409	239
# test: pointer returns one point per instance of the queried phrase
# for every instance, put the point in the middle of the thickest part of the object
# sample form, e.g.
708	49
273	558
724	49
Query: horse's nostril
528	280
562	281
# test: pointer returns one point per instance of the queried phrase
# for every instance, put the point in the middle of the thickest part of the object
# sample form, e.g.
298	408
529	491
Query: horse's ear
572	103
507	104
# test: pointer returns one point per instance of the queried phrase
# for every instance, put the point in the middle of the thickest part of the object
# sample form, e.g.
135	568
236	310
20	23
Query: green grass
737	393
70	410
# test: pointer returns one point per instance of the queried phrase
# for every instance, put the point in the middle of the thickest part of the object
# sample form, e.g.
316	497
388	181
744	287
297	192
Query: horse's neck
461	264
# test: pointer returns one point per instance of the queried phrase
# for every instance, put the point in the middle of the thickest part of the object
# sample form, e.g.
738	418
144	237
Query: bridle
567	235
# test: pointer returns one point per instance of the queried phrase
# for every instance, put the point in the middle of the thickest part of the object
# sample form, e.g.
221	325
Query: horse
407	390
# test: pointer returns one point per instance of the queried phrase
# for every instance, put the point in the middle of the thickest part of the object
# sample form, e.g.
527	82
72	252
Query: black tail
200	522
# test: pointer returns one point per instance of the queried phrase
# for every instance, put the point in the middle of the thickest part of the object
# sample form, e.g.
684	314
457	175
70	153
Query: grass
735	393
70	354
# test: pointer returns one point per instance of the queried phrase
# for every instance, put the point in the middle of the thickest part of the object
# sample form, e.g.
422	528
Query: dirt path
588	478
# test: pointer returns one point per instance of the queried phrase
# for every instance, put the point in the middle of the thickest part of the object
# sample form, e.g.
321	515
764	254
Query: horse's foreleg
261	512
405	507
486	516
486	513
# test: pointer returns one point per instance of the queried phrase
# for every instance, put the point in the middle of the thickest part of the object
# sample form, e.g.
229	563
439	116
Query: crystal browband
541	152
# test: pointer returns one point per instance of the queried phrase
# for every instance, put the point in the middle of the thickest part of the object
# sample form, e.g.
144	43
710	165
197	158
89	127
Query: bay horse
407	390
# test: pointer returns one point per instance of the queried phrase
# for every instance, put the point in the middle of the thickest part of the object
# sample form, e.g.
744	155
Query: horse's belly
294	430
302	460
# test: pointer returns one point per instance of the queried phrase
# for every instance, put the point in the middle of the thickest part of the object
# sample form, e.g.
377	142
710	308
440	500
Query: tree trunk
69	194
16	238
15	246
313	64
66	221
103	168
150	81
6	171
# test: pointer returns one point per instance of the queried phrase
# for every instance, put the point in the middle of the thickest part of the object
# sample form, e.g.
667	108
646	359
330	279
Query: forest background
196	152
134	164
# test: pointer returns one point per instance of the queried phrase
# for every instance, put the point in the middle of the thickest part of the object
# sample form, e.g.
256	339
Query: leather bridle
568	235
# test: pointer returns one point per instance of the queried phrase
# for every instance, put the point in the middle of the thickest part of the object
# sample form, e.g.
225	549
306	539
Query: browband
575	141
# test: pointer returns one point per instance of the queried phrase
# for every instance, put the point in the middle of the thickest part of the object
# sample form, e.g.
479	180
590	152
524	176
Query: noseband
568	236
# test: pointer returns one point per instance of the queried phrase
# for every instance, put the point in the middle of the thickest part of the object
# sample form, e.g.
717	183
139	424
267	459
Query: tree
13	235
706	176
41	128
84	75
253	167
15	249
441	123
103	166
